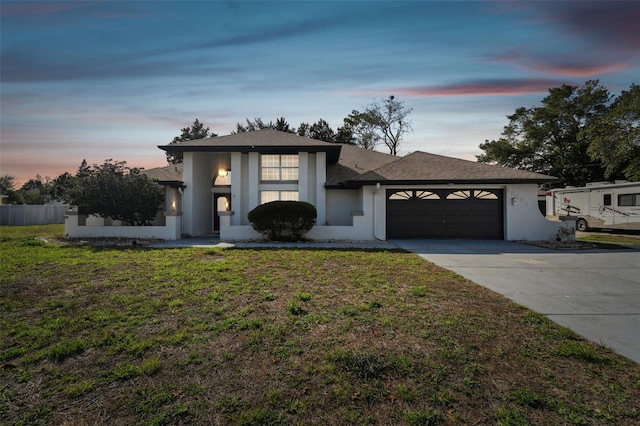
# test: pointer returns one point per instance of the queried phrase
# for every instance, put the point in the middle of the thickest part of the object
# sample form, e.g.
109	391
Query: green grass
610	239
32	231
108	335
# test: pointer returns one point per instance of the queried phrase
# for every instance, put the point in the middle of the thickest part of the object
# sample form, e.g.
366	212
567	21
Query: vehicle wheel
581	225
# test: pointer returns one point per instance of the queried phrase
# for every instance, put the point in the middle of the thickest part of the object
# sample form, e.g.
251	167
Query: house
359	194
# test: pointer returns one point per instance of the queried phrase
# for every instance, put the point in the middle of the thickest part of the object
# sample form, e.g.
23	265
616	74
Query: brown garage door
445	213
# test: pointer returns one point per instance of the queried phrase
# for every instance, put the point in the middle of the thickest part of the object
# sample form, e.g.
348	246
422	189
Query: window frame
280	169
635	200
279	193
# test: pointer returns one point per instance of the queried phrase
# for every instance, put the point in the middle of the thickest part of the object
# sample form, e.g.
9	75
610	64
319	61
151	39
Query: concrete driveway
596	293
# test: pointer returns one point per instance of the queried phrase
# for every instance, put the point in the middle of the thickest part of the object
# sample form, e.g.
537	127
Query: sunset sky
112	79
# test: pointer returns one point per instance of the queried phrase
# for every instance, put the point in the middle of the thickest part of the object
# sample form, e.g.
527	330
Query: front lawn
121	336
609	238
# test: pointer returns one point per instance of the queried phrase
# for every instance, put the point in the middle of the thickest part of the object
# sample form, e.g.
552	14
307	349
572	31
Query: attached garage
445	213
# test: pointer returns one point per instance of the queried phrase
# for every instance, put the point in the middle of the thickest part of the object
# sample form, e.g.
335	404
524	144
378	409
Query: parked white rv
600	205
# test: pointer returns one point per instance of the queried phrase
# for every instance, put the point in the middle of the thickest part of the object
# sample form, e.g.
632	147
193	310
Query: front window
269	196
279	167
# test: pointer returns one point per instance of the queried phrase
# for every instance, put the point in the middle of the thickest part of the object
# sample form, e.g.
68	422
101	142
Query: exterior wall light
222	173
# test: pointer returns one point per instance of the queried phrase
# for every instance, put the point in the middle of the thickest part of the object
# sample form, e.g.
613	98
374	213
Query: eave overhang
333	152
172	183
355	184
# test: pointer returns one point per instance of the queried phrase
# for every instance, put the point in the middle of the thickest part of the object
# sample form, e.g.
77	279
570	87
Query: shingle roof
264	137
264	141
171	173
353	162
423	167
352	166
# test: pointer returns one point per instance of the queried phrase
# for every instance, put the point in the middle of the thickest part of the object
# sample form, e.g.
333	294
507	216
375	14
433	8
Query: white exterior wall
172	229
303	178
522	217
360	231
197	177
236	186
341	203
252	178
342	214
320	192
353	223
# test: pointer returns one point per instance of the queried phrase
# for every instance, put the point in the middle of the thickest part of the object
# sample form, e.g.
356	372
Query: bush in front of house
283	220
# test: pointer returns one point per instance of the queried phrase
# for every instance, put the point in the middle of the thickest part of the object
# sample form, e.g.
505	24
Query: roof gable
266	141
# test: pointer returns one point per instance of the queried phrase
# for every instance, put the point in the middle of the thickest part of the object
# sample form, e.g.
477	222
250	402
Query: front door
221	203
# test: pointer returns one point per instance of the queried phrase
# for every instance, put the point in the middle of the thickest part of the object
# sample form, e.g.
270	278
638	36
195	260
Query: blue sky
113	79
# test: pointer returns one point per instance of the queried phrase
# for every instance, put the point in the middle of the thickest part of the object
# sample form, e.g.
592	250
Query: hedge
283	220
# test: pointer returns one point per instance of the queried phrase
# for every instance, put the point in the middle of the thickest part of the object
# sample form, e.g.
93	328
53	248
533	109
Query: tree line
579	133
381	122
109	190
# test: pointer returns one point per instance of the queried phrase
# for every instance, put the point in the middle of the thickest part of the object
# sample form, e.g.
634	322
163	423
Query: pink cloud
480	88
558	66
578	69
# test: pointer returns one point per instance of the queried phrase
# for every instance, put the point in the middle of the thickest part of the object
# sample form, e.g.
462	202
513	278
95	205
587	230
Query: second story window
279	168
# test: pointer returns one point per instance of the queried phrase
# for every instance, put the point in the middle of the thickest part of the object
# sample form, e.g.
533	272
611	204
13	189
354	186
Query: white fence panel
19	215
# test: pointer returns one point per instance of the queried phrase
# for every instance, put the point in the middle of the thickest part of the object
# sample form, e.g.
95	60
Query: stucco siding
341	203
523	219
200	205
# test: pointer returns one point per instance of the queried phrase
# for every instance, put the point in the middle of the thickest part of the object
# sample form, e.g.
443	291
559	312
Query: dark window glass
606	200
626	200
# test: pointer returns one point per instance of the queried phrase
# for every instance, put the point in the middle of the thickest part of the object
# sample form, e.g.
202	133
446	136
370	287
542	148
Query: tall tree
363	128
345	135
32	184
321	130
193	132
7	184
283	126
304	129
61	184
251	126
8	188
33	191
546	139
390	119
614	138
113	190
258	124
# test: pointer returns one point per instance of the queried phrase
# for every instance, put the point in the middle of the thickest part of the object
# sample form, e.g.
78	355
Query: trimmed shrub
283	220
